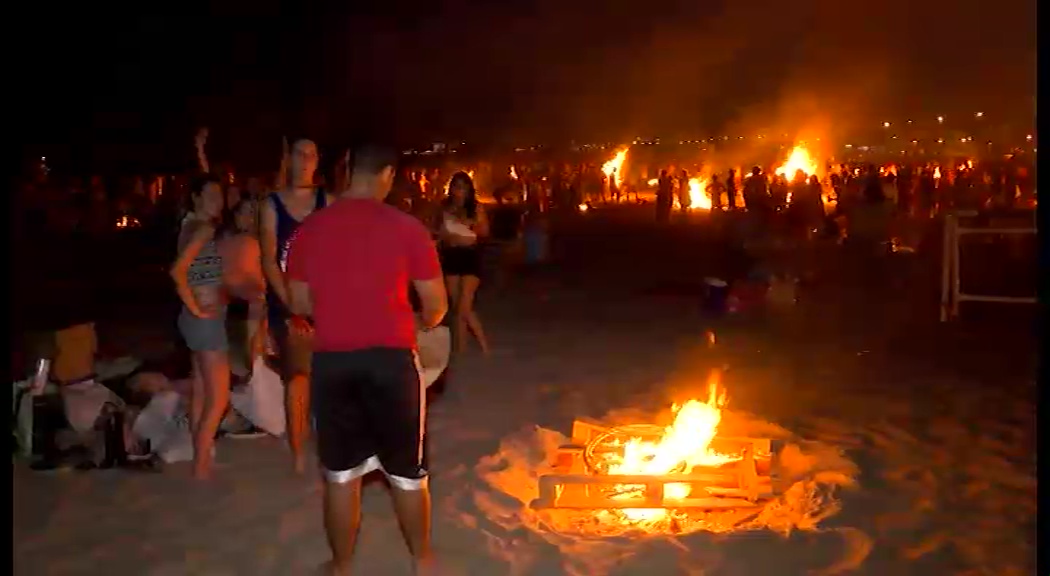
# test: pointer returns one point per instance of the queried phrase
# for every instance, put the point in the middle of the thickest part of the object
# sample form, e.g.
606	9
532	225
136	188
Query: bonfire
647	475
126	221
613	169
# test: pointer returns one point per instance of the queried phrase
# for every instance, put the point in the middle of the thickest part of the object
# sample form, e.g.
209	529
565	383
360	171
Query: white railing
951	294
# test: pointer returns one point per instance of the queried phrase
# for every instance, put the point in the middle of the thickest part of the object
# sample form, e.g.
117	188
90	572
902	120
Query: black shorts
368	408
461	260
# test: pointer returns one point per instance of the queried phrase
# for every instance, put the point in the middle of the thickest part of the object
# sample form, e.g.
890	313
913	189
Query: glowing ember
684	445
799	159
583	207
653	181
127	222
614	168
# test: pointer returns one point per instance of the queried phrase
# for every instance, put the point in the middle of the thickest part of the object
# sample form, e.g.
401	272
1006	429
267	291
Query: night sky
117	84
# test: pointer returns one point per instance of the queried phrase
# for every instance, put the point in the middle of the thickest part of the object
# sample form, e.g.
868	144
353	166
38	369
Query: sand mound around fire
811	473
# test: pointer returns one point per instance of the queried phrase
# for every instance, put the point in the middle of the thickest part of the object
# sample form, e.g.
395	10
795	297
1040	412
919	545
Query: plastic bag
166	426
261	400
83	403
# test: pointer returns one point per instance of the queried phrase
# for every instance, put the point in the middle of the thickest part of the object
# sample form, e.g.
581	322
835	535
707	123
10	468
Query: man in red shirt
349	267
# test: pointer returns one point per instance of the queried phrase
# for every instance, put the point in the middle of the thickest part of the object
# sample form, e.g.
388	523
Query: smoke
811	69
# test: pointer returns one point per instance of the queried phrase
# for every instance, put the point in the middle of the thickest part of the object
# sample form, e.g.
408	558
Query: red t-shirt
358	257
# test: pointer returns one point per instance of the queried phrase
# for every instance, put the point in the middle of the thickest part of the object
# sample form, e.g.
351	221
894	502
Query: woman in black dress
463	224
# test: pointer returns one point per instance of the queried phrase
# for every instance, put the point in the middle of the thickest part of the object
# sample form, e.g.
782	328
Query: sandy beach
918	439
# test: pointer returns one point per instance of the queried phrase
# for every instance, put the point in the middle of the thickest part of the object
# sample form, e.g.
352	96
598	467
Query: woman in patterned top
198	276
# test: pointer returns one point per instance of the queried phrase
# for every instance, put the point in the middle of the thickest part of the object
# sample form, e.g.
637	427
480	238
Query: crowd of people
317	270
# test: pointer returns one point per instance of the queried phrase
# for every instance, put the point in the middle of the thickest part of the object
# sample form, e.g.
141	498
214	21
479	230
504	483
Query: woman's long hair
197	184
470	200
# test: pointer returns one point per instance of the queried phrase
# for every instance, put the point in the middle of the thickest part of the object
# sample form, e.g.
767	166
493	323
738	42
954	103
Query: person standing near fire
685	202
715	190
370	406
281	215
664	197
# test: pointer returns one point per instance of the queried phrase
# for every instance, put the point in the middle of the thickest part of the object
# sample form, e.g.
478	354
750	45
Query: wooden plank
584	491
584	430
599	502
731	477
749	475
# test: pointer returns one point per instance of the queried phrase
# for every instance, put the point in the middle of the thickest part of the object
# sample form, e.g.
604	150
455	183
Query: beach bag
261	399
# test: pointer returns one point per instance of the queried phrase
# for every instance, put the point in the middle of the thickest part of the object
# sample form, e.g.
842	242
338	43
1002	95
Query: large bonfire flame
799	159
699	199
683	446
614	167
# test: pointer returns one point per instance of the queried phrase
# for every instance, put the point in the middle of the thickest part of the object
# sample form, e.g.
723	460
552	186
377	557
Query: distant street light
885	124
940	119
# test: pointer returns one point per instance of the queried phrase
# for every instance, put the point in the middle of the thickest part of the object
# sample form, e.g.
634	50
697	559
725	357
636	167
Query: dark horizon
137	86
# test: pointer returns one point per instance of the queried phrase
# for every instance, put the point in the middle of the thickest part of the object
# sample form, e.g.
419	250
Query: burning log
645	471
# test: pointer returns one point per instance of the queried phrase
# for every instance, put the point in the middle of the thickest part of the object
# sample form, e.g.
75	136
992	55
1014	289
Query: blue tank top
286	227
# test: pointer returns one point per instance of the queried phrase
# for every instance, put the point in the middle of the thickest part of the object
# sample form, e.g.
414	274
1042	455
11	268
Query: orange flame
799	159
615	166
699	199
513	173
684	445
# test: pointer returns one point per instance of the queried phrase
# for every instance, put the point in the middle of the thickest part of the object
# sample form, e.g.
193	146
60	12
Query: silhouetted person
684	201
756	191
664	191
731	189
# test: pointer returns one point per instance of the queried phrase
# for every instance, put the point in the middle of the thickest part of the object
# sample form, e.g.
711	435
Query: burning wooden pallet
744	483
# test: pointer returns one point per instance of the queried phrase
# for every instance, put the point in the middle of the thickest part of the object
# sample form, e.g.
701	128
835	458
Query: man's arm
268	245
300	301
425	271
434	300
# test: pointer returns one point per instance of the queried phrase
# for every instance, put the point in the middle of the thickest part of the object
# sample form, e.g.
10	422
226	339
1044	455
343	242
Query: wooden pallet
742	484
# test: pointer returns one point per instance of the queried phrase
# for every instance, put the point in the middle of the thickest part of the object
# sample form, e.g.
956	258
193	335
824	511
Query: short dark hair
372	158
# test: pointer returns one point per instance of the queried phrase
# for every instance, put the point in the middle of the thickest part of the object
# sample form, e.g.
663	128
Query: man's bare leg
342	518
413	513
297	405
